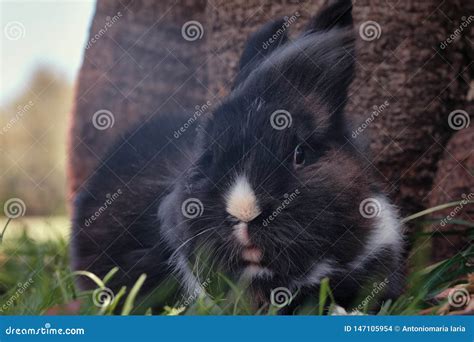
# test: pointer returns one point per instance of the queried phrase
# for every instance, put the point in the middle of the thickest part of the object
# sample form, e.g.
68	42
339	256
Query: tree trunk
137	65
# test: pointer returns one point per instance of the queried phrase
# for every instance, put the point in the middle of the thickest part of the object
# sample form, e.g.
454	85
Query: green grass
35	279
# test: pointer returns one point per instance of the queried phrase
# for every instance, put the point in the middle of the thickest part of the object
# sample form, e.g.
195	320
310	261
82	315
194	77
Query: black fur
144	230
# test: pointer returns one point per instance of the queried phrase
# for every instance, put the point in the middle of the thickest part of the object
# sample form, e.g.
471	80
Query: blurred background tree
32	139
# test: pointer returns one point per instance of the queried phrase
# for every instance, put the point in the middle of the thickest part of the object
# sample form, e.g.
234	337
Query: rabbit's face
278	187
275	186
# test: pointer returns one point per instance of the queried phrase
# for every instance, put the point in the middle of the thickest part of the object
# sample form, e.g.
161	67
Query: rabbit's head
275	187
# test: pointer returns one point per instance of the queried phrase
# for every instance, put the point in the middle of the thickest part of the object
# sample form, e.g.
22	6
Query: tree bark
135	68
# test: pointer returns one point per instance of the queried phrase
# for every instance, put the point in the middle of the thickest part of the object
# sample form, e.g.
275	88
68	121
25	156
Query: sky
39	32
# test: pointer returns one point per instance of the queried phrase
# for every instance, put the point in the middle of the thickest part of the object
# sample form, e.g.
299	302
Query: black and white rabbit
271	185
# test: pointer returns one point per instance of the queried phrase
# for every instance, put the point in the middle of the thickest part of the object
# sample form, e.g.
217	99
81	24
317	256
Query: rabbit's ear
319	64
336	13
260	44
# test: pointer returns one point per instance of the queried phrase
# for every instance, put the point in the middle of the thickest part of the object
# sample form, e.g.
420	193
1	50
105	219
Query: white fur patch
241	201
387	232
319	271
252	255
255	271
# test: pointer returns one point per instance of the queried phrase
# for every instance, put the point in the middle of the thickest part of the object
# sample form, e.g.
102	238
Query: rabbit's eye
299	157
